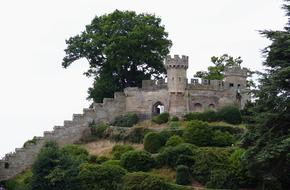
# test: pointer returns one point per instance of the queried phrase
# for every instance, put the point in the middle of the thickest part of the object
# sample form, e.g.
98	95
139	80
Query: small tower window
6	166
179	79
231	84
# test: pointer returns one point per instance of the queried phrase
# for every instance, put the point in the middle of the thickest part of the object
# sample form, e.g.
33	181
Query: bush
162	118
152	142
174	125
112	162
170	155
208	116
137	134
127	120
198	133
101	176
222	139
20	182
32	141
98	130
230	114
137	160
183	175
174	141
185	160
174	118
118	150
143	181
207	160
166	134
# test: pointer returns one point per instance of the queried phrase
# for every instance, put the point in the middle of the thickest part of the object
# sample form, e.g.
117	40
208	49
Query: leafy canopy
217	72
122	49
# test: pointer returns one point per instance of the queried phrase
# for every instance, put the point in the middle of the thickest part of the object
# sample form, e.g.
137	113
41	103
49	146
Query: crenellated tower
176	73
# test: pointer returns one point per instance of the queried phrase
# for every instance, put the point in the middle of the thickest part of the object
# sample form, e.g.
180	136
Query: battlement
236	71
176	62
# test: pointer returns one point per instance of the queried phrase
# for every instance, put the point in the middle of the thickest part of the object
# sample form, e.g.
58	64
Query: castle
176	97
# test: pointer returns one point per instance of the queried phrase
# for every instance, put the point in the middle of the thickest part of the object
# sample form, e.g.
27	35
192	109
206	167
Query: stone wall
71	132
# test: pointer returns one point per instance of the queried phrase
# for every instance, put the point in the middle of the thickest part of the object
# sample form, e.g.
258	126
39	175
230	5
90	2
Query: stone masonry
177	96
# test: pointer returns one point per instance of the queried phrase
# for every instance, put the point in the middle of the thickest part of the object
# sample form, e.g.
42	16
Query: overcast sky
37	93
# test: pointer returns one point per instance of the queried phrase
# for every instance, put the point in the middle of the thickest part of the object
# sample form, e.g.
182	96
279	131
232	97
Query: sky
36	93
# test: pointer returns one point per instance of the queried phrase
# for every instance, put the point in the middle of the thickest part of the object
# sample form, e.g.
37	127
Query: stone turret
176	73
236	76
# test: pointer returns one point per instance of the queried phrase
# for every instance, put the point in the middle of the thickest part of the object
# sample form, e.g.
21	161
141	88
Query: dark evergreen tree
268	156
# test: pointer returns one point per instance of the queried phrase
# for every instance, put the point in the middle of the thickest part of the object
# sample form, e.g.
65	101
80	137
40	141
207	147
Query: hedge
137	160
152	142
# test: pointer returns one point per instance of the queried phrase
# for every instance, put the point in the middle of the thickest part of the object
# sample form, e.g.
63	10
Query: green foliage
57	168
198	133
208	115
127	120
137	160
230	114
20	182
186	160
217	72
111	45
267	156
174	118
174	125
170	155
32	141
222	139
112	162
161	118
137	134
208	159
183	175
103	177
143	181
152	142
118	150
98	130
174	141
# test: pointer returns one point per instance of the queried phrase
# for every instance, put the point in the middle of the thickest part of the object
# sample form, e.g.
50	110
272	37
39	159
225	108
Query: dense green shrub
20	182
174	118
225	128
105	177
98	130
174	141
166	134
174	125
152	142
127	120
208	115
112	162
183	175
185	160
118	150
207	160
169	155
222	139
137	134
143	181
162	118
230	114
137	160
198	133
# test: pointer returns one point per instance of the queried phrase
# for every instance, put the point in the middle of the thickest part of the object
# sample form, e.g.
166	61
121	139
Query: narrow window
231	84
6	166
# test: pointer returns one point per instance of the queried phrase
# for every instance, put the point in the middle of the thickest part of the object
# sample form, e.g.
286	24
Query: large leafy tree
216	72
268	156
122	49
